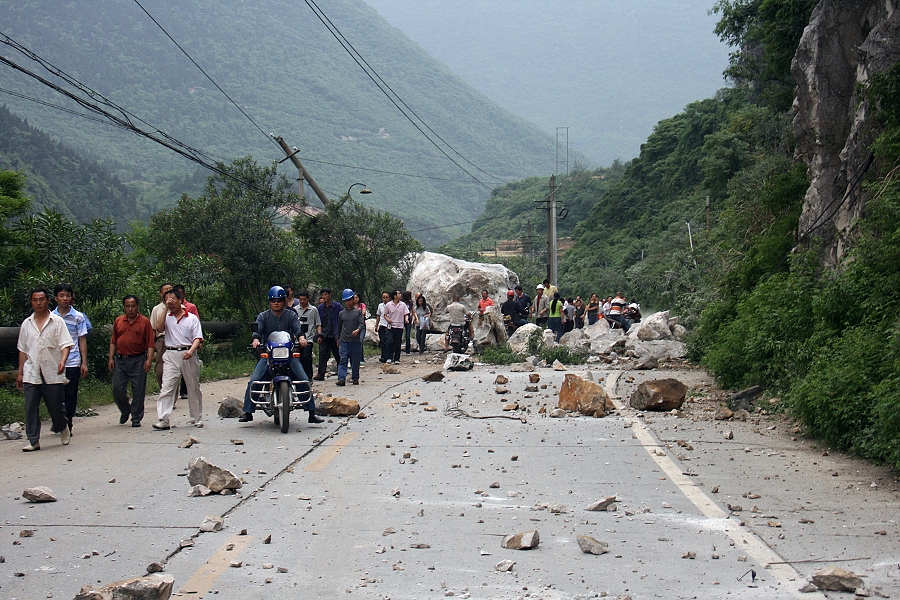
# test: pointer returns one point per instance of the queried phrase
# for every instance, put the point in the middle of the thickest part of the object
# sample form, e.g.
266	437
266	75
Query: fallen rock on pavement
199	490
522	367
501	380
154	587
743	400
590	545
583	396
458	362
336	406
389	369
521	541
723	413
39	494
659	395
654	327
557	413
518	341
212	523
12	431
231	408
646	363
190	441
608	504
836	579
434	377
534	378
504	565
558	366
202	472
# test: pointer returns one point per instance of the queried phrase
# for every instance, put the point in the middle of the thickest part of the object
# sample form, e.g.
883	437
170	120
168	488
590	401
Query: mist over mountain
609	71
281	65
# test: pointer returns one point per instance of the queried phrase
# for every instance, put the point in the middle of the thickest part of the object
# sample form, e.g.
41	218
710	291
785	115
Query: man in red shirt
484	302
130	356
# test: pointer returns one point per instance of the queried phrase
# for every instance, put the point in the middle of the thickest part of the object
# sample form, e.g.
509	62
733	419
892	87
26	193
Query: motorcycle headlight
282	352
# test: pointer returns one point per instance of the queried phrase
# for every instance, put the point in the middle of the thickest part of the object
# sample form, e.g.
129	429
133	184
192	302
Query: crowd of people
53	344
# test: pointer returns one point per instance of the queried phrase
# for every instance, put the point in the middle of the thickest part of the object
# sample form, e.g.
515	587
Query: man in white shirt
44	345
381	325
395	313
183	338
77	363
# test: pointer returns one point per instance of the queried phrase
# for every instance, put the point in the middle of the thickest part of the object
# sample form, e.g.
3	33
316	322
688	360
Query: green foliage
563	354
353	246
535	342
499	355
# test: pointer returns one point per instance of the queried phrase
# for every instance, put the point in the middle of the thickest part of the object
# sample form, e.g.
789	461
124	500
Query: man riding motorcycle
277	318
456	311
512	309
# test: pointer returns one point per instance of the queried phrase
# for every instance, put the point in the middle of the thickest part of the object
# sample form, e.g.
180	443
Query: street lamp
365	190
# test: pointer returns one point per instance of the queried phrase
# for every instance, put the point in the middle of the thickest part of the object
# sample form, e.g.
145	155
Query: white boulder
518	341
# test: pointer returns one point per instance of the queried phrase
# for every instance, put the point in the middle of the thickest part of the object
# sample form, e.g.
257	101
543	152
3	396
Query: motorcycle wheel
284	395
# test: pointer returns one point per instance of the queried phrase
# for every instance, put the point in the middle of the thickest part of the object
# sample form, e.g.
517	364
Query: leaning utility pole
551	232
302	173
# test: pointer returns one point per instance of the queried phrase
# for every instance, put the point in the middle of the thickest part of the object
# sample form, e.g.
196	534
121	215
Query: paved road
348	515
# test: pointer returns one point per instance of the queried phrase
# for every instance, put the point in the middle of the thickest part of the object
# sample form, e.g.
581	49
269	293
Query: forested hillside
284	69
58	177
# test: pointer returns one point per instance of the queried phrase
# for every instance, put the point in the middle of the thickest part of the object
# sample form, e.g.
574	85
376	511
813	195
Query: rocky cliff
845	43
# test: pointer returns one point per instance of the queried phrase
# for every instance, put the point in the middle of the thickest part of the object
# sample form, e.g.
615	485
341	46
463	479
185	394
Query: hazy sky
607	70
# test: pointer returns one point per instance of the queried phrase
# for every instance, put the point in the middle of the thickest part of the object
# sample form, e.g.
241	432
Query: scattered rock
646	363
459	362
212	523
190	441
202	472
501	390
501	380
237	442
741	415
658	395
155	567
495	485
199	490
39	494
586	397
267	539
26	533
523	367
521	541
558	366
728	435
236	564
336	406
607	504
281	570
12	431
743	400
691	555
557	413
504	565
836	579
509	407
723	413
434	377
431	408
389	369
534	378
362	415
590	545
231	408
154	587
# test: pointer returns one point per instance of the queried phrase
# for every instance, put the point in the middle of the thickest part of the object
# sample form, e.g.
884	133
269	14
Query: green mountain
281	65
606	70
61	178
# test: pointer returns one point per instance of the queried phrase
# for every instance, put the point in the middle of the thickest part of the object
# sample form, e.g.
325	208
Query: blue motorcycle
277	394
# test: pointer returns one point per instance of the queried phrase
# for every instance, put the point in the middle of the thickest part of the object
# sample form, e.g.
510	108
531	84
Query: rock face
154	587
845	44
521	541
439	277
458	362
337	407
231	408
202	472
580	395
659	394
39	494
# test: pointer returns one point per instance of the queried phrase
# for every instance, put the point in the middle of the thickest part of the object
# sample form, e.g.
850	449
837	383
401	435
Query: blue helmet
276	292
347	294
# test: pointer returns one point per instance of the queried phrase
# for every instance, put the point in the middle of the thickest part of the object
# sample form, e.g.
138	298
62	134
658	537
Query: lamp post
365	190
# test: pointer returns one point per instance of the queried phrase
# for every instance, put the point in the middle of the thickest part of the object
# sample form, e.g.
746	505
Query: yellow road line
743	537
330	452
207	575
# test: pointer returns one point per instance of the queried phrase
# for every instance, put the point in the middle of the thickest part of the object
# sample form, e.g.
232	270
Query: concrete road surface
412	503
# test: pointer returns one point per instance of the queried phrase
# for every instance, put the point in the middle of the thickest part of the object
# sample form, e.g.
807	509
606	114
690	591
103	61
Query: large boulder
434	341
549	340
576	339
337	406
371	333
518	341
438	277
659	349
611	340
203	472
659	394
581	395
459	362
489	329
153	587
654	327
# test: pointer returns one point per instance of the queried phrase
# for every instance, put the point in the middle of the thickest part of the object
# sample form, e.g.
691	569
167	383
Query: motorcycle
277	394
458	336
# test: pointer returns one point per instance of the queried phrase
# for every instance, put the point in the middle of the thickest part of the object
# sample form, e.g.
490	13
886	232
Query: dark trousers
262	367
70	401
407	329
351	355
327	348
396	342
130	369
306	359
383	339
421	339
53	394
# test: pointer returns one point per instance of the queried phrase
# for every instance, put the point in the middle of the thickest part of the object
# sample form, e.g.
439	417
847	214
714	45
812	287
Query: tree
351	245
230	237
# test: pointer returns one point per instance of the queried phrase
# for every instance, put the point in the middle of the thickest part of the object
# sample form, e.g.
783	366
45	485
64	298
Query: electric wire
218	87
323	162
58	107
381	85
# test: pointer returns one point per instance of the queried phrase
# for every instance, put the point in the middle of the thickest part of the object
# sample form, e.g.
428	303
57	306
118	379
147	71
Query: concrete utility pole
302	173
551	232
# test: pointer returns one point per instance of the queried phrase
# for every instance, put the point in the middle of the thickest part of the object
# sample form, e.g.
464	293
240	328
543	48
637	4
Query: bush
499	355
565	355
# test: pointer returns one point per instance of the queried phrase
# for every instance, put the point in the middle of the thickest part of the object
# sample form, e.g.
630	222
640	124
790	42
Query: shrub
500	355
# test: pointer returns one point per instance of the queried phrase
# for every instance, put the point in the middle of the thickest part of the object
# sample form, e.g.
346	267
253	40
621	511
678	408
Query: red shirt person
131	350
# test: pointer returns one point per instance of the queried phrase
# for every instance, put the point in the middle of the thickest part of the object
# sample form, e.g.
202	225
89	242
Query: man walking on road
44	345
131	350
77	363
310	328
328	346
395	313
158	312
183	338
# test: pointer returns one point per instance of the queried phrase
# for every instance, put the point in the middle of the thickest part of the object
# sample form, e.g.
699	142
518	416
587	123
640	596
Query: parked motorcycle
277	394
458	336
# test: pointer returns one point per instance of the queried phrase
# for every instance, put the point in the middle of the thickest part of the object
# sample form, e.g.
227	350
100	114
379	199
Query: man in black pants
328	347
310	328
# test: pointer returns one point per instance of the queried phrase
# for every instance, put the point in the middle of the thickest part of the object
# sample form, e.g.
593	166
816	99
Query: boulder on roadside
610	341
576	339
371	338
836	579
153	587
590	545
522	367
659	395
723	413
743	400
661	349
586	397
459	362
521	541
646	363
202	472
654	327
231	408
434	377
518	341
12	431
678	331
337	406
549	340
607	504
39	494
433	342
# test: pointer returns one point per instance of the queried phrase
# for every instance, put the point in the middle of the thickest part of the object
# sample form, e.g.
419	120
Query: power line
58	107
381	85
161	28
323	162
